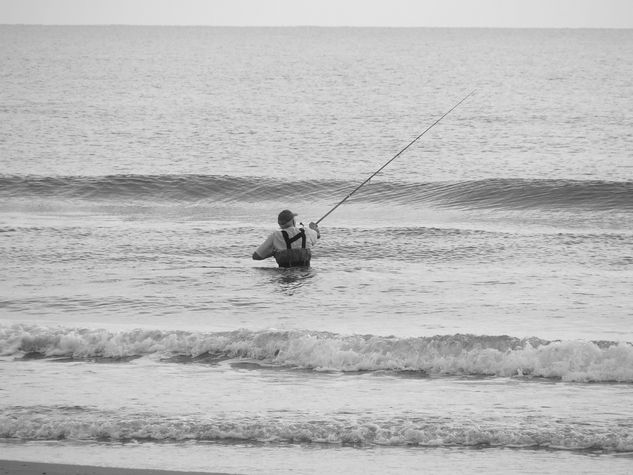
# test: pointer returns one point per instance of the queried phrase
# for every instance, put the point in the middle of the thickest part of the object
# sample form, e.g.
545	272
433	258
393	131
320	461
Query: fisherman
290	246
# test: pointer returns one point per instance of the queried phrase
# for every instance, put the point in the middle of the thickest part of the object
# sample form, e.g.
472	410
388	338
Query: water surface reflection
288	280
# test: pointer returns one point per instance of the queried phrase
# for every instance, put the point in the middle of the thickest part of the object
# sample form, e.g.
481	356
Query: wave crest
449	355
512	193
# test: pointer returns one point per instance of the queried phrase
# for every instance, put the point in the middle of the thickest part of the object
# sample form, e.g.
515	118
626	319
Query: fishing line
393	158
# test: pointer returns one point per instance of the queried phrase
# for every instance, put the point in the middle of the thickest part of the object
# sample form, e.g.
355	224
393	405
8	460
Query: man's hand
315	227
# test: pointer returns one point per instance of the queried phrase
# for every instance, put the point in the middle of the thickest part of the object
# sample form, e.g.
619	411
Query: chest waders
294	256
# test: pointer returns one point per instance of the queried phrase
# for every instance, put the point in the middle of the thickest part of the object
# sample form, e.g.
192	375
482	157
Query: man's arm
265	250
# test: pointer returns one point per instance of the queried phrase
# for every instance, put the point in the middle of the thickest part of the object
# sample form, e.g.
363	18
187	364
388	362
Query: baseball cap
285	216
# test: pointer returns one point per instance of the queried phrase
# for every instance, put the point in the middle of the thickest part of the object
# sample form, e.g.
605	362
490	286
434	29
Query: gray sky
434	13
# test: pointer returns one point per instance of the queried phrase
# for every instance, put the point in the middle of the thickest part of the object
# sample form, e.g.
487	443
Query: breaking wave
445	355
85	424
512	193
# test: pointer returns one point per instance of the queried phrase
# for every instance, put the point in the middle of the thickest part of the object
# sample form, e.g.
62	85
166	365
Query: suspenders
289	241
293	257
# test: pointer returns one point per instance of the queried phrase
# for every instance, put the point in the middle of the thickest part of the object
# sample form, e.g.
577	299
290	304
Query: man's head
286	218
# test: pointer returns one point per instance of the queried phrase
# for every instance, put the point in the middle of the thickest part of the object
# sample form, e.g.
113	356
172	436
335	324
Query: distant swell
85	424
513	193
322	351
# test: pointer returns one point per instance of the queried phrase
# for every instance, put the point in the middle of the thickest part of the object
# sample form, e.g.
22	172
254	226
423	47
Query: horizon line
325	26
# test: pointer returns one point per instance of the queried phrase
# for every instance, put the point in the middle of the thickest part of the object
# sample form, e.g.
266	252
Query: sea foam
86	424
451	355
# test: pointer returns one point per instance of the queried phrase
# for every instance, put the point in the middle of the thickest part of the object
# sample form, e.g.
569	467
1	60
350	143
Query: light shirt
275	242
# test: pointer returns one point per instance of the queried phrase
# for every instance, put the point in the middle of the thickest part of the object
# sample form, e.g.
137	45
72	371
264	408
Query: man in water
290	246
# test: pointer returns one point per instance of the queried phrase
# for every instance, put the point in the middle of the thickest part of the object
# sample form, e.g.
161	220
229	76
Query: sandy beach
12	467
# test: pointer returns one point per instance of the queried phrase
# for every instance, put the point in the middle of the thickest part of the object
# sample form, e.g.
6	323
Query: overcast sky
433	13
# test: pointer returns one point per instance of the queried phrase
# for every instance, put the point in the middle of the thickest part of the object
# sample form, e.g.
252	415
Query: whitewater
469	309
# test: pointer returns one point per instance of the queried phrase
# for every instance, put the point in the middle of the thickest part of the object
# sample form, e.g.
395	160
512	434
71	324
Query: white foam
64	424
505	356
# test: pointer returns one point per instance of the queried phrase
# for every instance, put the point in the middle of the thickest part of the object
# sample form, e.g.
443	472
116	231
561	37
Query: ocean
468	310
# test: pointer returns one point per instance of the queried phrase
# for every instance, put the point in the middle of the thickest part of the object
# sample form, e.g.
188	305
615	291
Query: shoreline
16	467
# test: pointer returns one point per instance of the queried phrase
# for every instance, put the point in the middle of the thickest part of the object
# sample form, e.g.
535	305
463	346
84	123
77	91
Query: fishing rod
394	157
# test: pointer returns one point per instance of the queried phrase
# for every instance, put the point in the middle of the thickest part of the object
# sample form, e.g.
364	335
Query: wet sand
11	467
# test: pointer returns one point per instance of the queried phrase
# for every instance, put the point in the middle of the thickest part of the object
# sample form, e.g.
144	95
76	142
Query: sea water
469	309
